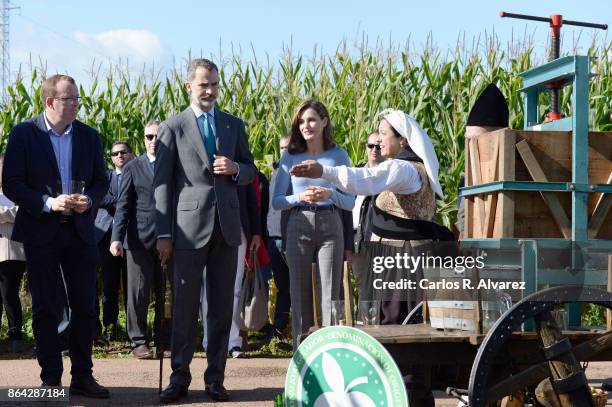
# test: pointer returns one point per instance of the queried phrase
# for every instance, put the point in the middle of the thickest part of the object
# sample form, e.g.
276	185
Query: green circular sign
343	366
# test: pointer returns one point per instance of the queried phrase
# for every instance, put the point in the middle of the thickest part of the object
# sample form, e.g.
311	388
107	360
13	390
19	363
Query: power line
5	43
66	37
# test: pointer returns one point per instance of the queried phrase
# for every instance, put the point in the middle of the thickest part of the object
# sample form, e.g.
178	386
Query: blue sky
68	34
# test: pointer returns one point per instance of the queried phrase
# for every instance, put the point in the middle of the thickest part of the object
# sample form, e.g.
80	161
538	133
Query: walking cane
166	316
315	296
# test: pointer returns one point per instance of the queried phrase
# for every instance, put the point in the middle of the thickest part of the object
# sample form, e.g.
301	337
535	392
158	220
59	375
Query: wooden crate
451	308
502	155
459	315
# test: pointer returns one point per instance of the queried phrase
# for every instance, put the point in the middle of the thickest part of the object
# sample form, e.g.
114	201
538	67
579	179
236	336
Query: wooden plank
416	333
491	203
425	309
348	296
487	155
479	213
467	202
478	307
609	312
316	301
532	218
603	205
504	215
549	197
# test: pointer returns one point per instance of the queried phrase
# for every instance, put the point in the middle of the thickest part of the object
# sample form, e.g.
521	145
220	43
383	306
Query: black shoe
101	341
110	333
236	353
88	387
217	392
172	393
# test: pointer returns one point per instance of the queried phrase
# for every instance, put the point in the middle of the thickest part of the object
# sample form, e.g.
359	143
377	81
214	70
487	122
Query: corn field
437	88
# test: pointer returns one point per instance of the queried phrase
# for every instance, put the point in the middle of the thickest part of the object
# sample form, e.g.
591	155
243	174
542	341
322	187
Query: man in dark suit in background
135	216
114	269
56	225
203	156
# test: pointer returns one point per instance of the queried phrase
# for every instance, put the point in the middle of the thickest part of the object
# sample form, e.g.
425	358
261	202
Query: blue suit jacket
135	215
106	208
31	175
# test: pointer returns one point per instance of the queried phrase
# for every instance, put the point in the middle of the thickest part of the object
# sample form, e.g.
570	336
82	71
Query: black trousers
114	275
77	260
144	276
11	273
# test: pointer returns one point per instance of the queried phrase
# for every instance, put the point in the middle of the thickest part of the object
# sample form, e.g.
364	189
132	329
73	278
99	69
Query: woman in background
12	267
314	228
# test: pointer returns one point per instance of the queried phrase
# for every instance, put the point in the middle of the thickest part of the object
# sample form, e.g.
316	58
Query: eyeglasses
150	136
119	152
371	146
76	100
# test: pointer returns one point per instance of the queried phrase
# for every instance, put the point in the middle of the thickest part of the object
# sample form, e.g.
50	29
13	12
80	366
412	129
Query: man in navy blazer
135	219
114	269
57	228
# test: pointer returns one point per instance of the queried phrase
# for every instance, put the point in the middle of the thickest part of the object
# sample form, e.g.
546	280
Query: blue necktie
208	135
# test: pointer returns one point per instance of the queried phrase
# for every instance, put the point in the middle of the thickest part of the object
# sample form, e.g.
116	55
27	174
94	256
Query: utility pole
5	9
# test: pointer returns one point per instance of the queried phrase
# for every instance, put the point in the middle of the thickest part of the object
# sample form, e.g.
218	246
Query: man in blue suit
134	227
114	269
43	156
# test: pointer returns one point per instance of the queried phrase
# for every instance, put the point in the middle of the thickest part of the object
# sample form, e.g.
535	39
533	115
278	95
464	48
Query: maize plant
437	88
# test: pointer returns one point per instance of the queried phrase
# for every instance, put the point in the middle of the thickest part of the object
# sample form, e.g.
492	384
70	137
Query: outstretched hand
307	169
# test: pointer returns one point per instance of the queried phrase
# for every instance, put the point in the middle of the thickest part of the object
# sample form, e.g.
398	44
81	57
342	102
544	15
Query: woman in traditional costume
404	207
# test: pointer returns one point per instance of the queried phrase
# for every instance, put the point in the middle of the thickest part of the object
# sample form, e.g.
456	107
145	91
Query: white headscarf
419	142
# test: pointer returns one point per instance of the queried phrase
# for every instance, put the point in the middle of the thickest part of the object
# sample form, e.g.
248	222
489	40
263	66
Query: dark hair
122	143
392	129
49	85
200	63
297	144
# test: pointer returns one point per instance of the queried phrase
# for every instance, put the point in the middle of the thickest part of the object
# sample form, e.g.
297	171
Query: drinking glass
74	188
489	316
369	312
338	316
499	302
